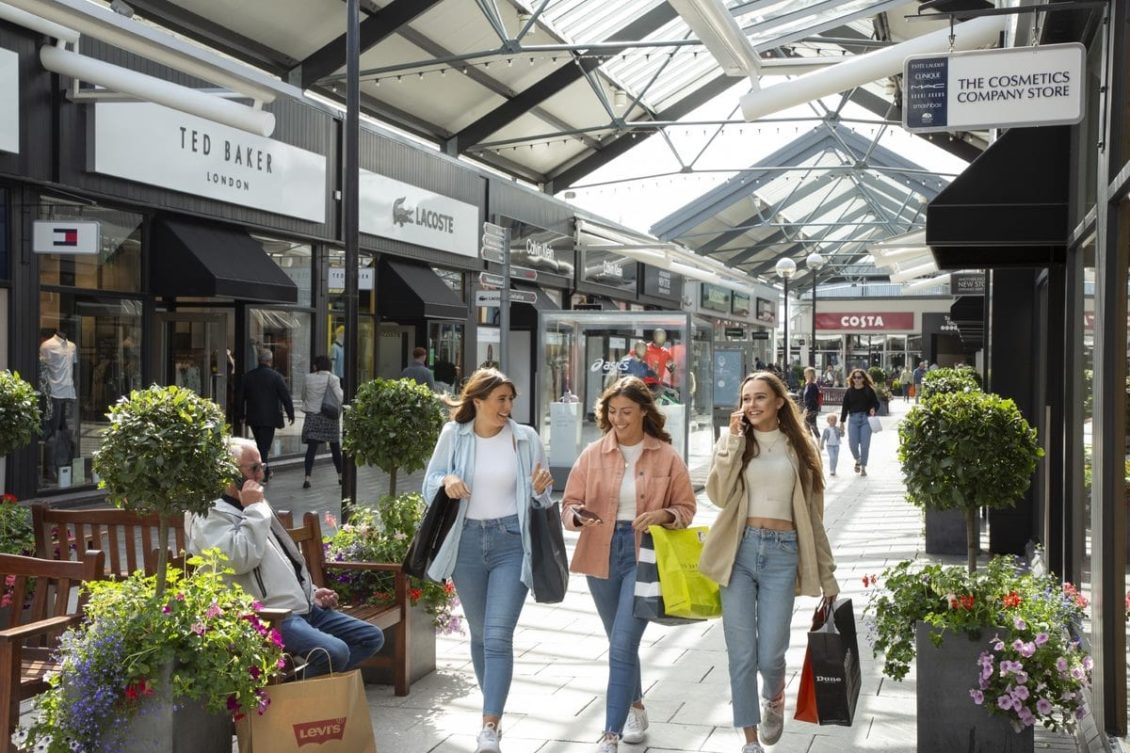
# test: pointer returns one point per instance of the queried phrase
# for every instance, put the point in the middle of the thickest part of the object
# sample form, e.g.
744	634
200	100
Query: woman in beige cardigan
767	545
630	479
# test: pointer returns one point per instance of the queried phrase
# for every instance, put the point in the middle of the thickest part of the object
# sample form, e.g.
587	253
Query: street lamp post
815	262
786	268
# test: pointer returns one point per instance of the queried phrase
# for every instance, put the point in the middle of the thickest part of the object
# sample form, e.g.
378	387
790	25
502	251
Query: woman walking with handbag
321	400
860	402
495	470
628	480
767	545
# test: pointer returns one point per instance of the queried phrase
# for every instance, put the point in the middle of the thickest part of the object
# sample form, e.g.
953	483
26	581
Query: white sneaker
752	748
772	720
610	743
488	739
635	726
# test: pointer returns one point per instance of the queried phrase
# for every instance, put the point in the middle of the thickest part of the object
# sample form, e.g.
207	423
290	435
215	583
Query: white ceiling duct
713	23
872	66
35	23
926	283
910	273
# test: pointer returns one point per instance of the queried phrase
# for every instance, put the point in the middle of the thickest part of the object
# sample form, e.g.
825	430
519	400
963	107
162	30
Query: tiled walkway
556	703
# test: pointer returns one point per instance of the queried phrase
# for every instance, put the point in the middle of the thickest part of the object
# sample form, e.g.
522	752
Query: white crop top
770	477
494	482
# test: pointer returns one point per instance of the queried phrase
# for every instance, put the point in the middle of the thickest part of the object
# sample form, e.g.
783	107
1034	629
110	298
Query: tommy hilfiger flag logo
64	236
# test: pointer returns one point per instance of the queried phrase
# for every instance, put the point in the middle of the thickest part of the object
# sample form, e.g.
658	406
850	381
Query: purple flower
1022	677
977	696
213	611
1077	673
1026	717
1020	693
1061	664
1044	706
1080	712
199	628
999	645
1088	663
1004	702
1041	639
166	609
1020	624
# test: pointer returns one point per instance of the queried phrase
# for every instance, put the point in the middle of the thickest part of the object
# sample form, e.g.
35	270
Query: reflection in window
294	259
287	335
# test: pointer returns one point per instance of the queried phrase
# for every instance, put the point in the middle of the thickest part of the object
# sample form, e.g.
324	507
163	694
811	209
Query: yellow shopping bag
686	591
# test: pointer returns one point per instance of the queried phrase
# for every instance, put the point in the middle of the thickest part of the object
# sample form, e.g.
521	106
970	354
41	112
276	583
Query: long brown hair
478	387
635	390
792	426
866	379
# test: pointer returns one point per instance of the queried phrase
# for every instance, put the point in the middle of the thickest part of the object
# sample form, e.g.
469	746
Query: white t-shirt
494	481
59	356
627	509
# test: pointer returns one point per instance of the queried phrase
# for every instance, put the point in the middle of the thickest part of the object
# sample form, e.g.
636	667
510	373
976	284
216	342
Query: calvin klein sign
163	147
392	209
9	101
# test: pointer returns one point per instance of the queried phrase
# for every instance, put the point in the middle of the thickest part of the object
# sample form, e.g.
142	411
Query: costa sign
866	322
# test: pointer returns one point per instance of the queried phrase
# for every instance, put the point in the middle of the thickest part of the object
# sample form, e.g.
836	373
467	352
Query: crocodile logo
401	215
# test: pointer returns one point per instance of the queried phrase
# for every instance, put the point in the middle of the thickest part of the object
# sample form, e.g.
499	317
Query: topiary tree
965	450
943	381
19	412
393	424
166	452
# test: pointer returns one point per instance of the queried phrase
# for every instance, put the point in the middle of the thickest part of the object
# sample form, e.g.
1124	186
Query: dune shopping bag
327	714
832	666
686	591
648	604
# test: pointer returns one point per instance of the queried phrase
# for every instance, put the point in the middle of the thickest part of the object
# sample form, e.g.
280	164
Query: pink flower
276	638
213	611
1004	702
199	628
1044	706
1041	639
977	696
1020	624
1061	664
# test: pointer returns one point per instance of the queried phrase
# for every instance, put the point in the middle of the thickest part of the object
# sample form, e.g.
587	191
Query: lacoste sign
392	209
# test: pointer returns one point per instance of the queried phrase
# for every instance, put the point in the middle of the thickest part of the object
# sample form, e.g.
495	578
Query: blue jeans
859	437
488	579
614	597
757	608
833	456
347	640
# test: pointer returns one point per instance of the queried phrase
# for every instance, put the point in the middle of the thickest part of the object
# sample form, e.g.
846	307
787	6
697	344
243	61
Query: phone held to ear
580	515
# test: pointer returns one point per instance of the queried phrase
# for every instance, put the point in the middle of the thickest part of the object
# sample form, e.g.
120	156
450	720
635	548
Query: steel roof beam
374	29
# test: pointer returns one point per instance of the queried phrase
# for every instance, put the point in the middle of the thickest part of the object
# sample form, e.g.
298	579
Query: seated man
269	566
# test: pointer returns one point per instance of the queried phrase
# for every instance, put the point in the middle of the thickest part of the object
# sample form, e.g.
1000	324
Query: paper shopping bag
835	665
875	424
327	714
806	694
648	603
686	591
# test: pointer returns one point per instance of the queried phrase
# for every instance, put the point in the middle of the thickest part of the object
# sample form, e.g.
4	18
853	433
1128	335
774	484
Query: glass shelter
582	352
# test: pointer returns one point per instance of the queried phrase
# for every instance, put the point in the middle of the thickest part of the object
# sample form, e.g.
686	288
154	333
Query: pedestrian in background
767	545
317	427
810	398
622	483
262	399
419	370
830	439
860	402
495	470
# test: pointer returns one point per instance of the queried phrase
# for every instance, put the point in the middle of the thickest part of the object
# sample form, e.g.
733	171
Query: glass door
195	354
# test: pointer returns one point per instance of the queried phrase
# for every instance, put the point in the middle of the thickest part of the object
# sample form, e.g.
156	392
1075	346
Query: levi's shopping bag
648	603
686	591
325	714
834	650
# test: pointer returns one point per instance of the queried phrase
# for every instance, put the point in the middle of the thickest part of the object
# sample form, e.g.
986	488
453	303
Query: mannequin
636	362
337	352
658	357
58	360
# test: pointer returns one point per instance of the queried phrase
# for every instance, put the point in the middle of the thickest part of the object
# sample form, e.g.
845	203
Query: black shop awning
207	260
413	291
1009	208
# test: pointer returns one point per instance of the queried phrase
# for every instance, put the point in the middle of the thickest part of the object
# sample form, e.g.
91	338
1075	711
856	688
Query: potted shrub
941	381
882	391
139	657
19	416
165	452
965	450
392	424
993	646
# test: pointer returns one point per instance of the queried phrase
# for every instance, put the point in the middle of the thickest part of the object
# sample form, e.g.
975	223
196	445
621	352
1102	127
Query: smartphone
580	514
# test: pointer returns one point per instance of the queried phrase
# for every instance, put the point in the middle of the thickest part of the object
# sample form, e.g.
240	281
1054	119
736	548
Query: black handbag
437	522
331	403
549	562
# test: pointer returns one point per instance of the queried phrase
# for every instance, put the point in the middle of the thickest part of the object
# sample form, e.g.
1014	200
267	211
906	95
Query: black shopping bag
835	665
548	560
437	522
648	601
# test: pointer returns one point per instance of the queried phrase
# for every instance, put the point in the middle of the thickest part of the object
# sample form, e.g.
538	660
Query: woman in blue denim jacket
494	469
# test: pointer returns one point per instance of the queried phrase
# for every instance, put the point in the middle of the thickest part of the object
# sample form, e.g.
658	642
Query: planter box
945	532
884	407
948	720
421	649
160	726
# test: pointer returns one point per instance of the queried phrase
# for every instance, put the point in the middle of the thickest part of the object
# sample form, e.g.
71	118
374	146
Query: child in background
831	439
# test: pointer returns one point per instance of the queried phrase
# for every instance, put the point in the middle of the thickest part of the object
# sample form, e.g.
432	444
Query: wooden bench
131	541
29	635
392	618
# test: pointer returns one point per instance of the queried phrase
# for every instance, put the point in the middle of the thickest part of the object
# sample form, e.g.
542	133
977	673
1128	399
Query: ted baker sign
866	322
163	147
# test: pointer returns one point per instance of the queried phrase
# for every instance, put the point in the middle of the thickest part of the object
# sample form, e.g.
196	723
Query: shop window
445	354
452	279
116	266
5	272
287	335
293	258
89	356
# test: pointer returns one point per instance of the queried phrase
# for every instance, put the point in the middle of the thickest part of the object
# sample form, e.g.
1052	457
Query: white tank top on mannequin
495	478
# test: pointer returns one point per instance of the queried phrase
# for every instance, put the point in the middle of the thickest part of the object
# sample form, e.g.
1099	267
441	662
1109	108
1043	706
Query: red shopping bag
806	694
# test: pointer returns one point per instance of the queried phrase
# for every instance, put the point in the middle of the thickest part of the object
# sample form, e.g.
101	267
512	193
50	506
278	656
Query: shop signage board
9	101
734	333
662	283
494	245
766	311
403	212
66	237
877	321
740	303
159	146
967	283
494	297
759	334
335	279
715	298
1016	86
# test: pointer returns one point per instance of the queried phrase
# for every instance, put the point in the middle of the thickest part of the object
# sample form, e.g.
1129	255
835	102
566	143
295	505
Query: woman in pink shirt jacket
630	479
